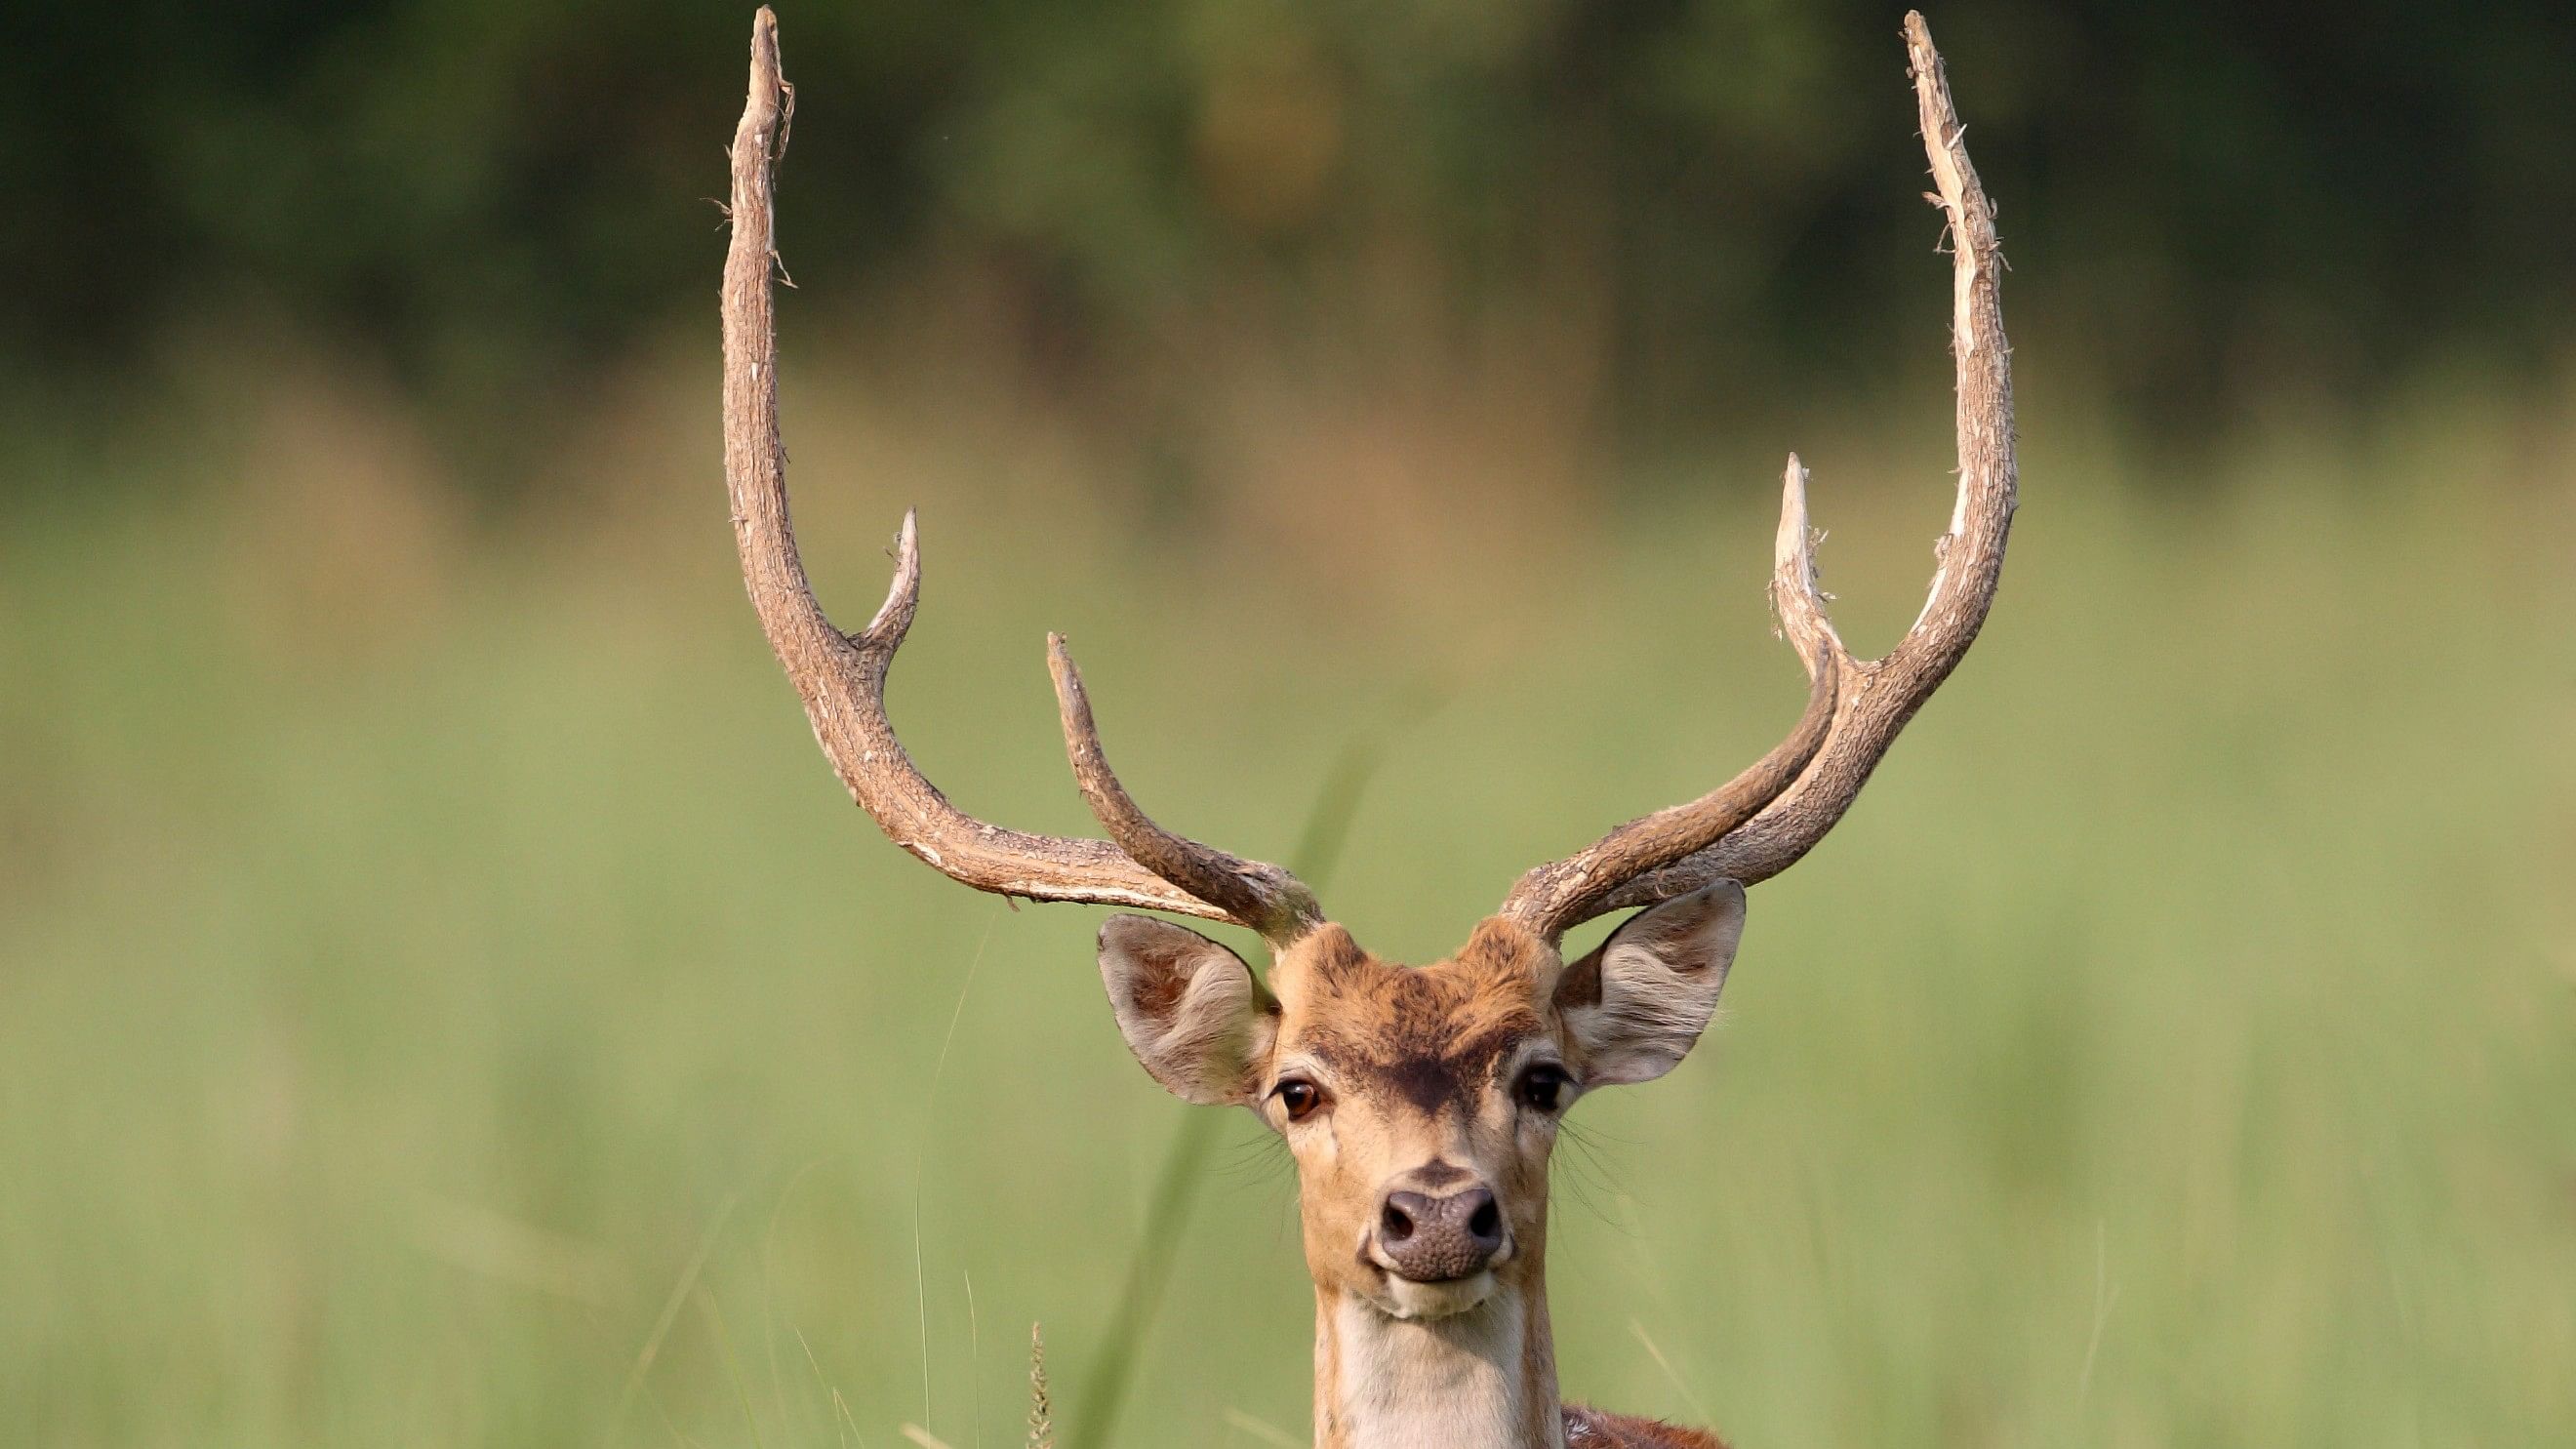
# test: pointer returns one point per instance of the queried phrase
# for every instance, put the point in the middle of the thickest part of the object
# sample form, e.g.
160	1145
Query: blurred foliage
1713	204
425	967
443	997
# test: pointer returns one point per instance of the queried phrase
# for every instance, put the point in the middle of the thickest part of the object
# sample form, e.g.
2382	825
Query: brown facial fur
1418	1067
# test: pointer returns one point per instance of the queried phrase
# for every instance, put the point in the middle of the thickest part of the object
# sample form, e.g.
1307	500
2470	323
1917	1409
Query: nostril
1394	1224
1439	1239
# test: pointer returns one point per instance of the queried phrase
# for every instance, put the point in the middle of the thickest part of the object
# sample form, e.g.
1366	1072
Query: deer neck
1483	1379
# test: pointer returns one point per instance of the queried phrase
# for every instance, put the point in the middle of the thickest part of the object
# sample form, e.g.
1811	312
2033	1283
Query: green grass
437	968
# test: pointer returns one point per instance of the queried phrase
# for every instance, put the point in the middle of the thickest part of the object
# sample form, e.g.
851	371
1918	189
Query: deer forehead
1417	1037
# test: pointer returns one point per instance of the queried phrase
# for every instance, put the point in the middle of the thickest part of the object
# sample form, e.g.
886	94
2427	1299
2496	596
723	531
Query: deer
1420	1104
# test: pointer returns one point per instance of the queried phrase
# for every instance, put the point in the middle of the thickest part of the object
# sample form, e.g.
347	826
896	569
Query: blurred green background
444	998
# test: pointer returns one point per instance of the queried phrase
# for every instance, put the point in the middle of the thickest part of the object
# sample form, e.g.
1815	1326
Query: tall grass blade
1184	1171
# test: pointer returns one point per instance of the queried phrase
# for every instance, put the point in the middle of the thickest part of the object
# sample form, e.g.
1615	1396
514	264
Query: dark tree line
2204	199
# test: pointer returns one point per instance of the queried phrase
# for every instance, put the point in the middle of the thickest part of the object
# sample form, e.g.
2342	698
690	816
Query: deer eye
1542	1088
1298	1097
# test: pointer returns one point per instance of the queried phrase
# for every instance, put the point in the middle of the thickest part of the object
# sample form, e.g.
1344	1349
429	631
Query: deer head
1421	1103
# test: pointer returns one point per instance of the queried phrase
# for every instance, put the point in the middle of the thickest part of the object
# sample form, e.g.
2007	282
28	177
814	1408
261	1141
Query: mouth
1407	1298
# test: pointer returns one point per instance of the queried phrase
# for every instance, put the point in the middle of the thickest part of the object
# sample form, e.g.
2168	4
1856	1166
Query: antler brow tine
841	677
1855	708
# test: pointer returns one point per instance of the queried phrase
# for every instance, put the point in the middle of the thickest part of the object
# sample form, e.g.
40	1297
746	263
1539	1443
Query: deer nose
1439	1239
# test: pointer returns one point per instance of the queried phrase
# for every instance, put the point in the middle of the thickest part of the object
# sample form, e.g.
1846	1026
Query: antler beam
841	677
1869	701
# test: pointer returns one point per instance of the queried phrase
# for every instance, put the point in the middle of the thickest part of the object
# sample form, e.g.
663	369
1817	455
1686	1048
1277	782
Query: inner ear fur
1189	1008
1638	1002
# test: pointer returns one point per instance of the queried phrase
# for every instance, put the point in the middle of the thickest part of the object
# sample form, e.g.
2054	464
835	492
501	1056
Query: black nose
1437	1239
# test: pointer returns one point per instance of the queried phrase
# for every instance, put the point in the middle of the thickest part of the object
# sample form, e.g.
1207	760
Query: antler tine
1255	893
1561	894
1871	701
841	678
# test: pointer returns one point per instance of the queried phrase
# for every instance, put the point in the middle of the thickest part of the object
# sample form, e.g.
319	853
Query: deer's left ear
1637	1004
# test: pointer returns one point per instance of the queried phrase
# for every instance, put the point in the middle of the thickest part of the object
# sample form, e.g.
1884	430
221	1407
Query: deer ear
1189	1009
1636	1005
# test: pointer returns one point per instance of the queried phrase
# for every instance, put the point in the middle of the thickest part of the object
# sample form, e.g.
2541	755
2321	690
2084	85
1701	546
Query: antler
1760	823
841	677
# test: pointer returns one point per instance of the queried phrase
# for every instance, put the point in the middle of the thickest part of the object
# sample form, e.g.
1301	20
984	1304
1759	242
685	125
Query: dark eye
1299	1097
1542	1088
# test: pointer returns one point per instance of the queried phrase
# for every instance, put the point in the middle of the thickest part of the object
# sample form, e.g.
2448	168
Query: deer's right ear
1189	1008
